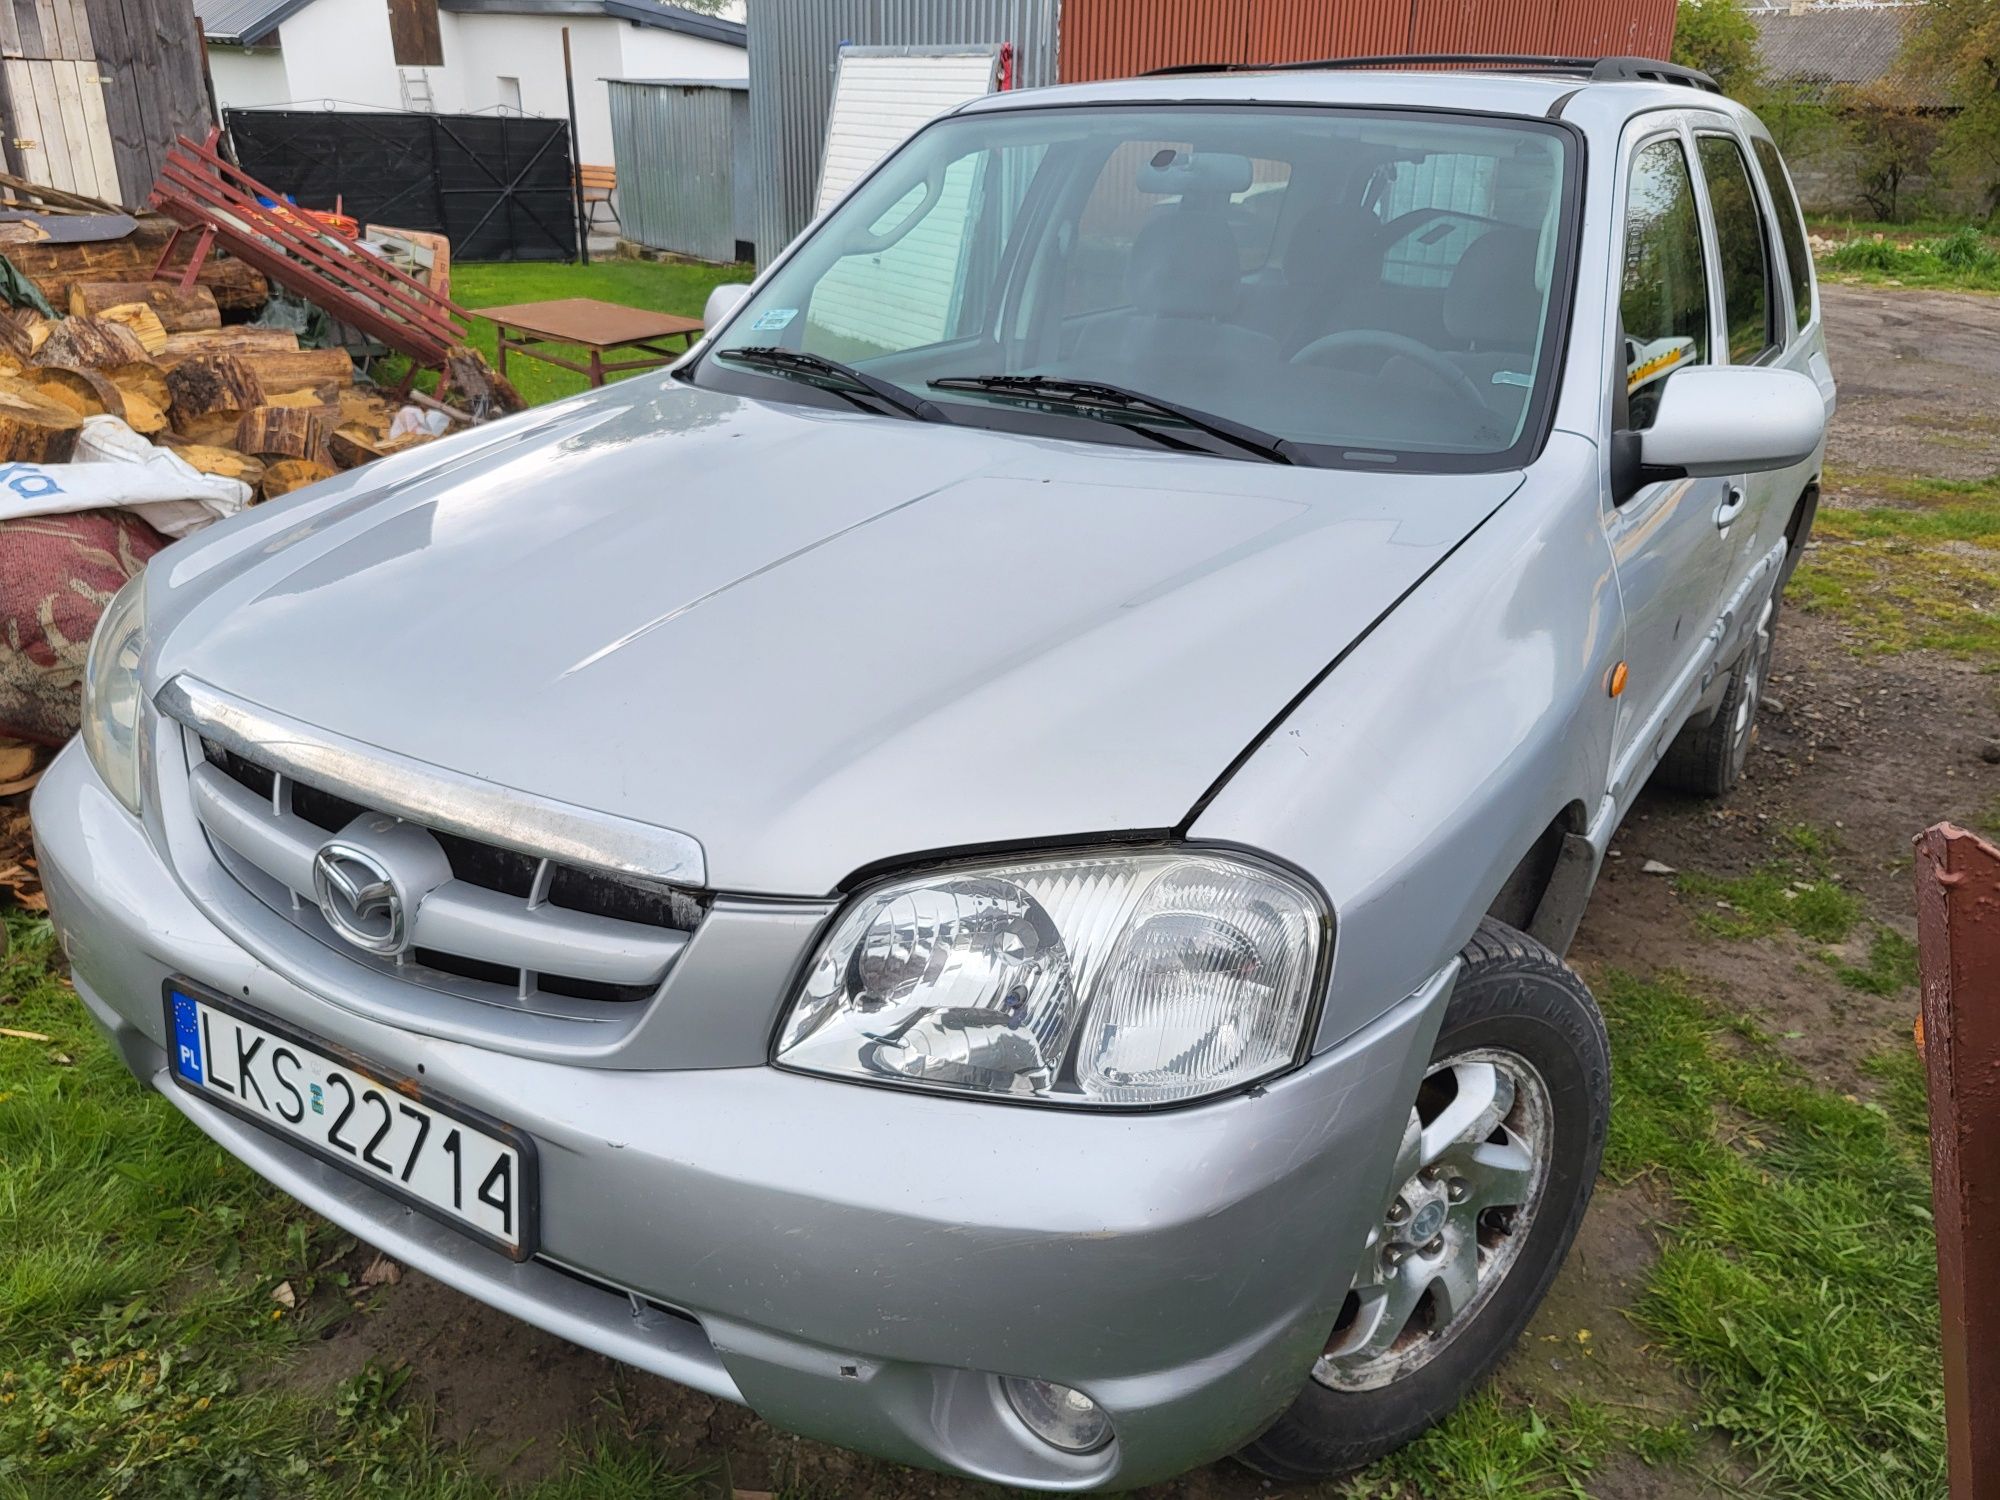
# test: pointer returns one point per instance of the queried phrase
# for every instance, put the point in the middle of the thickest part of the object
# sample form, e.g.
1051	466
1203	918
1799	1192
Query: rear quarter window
1791	228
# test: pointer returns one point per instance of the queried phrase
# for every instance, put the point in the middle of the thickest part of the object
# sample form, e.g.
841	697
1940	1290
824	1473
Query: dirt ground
1840	746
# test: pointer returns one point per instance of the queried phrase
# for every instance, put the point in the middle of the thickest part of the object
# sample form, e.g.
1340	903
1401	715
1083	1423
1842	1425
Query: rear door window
1743	241
1663	303
1791	228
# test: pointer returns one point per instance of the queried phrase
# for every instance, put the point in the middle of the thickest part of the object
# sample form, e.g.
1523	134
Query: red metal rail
1958	941
218	201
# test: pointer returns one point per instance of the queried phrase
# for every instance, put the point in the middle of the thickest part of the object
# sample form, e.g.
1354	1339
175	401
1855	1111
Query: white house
459	56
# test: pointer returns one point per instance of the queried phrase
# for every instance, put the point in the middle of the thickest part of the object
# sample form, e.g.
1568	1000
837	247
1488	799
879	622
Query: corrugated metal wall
677	151
795	47
1118	38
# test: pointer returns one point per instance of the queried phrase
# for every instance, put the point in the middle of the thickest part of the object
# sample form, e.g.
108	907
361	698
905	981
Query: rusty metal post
1958	940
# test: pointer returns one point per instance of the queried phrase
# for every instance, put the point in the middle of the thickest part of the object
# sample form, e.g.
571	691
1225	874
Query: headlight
1121	979
111	692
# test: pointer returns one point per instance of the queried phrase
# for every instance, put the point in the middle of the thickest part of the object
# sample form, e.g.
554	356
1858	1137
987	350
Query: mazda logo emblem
358	897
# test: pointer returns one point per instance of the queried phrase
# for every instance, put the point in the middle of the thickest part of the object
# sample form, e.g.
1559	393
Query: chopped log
353	444
142	416
227	341
474	383
89	343
141	378
366	407
289	474
211	386
56	268
291	369
323	394
286	432
178	311
85	392
23	332
34	429
207	459
142	320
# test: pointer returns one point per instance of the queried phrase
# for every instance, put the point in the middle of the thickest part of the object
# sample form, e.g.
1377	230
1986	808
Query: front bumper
855	1264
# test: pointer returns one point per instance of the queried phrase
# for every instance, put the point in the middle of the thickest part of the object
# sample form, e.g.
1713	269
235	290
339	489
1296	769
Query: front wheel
1496	1167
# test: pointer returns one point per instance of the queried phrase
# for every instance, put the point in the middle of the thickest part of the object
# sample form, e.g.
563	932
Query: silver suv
981	866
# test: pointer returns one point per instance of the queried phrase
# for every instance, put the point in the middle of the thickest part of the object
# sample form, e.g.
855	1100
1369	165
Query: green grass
1798	1285
1777	898
659	286
1890	968
1962	259
1908	563
138	1330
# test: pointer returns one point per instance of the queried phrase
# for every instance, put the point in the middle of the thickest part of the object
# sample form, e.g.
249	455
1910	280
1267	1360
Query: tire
1707	760
1514	1000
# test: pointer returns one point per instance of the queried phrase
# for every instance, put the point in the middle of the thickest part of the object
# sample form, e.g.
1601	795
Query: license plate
455	1164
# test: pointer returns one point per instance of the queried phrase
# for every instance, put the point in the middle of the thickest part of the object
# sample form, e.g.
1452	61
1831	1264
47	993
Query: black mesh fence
497	185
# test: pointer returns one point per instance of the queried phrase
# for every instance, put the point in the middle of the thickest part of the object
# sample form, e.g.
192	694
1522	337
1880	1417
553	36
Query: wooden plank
97	129
28	23
25	124
129	148
55	141
79	20
65	27
10	31
45	21
76	129
414	37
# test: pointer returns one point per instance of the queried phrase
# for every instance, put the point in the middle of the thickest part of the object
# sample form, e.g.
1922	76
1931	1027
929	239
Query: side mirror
722	302
1715	420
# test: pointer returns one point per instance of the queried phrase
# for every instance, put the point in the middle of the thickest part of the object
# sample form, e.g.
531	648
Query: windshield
1356	287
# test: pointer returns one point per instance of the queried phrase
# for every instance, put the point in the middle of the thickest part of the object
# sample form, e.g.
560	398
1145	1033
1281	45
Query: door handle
1731	508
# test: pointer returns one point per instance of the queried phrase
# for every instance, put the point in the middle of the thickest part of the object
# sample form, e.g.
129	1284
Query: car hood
812	640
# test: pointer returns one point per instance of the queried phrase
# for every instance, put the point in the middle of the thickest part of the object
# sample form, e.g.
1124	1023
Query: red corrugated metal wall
1118	38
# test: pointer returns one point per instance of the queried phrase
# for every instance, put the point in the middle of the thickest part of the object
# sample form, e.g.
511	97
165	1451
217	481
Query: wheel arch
1544	895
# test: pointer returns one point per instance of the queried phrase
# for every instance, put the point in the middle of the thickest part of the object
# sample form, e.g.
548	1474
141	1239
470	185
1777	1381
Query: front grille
508	927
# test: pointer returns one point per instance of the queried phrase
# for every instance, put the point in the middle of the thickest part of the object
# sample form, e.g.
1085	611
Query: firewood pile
186	370
244	402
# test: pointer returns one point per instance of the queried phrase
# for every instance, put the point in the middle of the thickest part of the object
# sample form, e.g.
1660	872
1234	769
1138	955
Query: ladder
417	90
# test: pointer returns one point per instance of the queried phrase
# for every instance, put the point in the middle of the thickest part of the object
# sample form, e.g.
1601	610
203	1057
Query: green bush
1865	255
1965	249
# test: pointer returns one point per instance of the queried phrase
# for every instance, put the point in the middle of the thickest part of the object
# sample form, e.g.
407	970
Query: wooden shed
92	92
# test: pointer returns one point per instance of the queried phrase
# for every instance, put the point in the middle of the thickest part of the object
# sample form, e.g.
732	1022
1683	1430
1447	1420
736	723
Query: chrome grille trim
456	917
432	796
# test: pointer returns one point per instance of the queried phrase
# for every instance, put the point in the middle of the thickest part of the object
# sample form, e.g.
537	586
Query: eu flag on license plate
187	1039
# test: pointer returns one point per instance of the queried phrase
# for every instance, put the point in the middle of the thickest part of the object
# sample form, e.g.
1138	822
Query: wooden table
599	327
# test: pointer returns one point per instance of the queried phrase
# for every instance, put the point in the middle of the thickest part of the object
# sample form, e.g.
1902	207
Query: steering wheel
1391	344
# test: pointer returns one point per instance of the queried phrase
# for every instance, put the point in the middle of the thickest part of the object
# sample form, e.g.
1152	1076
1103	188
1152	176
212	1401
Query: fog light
1059	1416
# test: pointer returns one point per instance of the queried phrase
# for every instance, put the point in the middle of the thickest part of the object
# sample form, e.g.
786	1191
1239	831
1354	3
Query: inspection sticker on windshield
455	1164
771	320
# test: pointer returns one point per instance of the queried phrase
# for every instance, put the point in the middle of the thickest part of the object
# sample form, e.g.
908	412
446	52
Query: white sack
116	468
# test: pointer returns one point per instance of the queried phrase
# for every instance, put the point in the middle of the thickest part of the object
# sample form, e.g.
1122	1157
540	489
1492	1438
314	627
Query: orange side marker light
1618	679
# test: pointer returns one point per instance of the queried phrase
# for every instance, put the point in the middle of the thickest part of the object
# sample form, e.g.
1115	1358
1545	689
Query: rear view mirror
722	302
1717	420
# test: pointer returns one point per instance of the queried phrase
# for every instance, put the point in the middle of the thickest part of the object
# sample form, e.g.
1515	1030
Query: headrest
1208	174
1493	299
1326	242
1184	265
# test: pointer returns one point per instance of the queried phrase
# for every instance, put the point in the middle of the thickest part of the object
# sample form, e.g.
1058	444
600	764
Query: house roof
244	23
249	23
1822	47
645	12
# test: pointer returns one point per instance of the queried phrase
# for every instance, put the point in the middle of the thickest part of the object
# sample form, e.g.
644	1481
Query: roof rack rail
1594	69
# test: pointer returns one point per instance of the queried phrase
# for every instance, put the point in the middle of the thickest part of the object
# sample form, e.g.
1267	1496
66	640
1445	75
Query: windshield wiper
1056	388
797	362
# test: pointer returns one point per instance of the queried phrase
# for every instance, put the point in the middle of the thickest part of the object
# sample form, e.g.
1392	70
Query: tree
1893	140
1718	38
1958	42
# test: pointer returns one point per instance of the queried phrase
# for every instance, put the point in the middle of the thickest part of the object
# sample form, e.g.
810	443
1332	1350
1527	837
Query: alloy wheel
1470	1172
